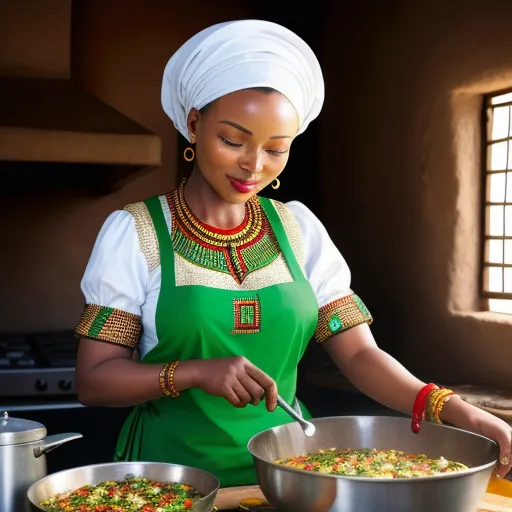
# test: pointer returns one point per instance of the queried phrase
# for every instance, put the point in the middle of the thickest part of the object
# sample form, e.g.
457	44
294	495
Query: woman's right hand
237	380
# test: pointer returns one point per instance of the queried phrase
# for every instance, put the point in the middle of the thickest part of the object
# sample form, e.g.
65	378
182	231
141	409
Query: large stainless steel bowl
293	490
68	480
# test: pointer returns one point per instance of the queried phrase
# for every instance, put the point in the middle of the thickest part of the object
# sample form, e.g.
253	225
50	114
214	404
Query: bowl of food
372	464
131	486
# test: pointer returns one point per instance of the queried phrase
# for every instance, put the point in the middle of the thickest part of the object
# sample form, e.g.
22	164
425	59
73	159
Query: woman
220	290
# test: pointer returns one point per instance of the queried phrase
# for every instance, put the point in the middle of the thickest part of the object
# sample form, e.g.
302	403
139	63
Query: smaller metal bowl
205	483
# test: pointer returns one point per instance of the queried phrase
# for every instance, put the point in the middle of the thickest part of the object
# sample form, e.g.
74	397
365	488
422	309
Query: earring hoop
277	184
189	154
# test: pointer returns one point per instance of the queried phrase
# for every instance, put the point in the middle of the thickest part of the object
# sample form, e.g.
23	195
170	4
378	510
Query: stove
38	365
37	383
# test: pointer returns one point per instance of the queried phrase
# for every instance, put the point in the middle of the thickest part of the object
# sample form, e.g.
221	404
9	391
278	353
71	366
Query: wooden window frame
487	142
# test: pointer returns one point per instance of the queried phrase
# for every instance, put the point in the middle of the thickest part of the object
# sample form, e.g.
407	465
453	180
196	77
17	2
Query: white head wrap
237	55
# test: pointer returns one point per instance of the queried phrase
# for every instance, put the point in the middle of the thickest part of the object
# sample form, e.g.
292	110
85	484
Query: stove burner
38	364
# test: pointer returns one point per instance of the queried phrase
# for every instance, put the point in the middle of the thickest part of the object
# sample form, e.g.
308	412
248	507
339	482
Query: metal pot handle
51	442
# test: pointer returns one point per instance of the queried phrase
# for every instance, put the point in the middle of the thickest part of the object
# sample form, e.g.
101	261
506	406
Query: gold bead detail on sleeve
148	241
340	315
111	325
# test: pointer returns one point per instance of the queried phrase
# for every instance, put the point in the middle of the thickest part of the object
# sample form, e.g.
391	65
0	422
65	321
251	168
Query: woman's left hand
468	417
498	430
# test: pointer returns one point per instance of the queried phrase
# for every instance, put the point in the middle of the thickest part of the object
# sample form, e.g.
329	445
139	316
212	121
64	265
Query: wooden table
230	498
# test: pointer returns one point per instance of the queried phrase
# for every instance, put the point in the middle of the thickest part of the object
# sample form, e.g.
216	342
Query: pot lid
18	431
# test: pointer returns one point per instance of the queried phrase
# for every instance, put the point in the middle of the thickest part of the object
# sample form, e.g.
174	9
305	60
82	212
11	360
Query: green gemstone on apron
271	327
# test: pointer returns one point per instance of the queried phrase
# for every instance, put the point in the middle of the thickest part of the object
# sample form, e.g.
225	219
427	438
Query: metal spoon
308	428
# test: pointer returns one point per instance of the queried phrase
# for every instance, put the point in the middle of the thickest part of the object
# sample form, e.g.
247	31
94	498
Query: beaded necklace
238	251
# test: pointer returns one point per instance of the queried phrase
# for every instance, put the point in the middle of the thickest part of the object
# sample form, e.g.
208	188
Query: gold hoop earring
191	152
277	184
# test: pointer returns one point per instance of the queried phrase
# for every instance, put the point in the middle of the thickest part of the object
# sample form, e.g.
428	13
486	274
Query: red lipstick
242	186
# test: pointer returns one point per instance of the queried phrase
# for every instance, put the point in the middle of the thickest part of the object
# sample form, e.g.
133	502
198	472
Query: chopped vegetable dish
130	495
372	463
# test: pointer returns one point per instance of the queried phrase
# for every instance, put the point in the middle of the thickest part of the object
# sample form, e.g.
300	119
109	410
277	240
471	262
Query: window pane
496	187
509	187
503	98
495	220
508	220
500	306
508	251
508	280
494	251
498	156
509	161
494	279
500	123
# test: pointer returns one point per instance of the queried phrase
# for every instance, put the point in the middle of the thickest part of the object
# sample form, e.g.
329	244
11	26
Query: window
497	260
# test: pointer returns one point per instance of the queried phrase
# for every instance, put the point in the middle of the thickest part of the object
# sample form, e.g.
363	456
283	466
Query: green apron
198	322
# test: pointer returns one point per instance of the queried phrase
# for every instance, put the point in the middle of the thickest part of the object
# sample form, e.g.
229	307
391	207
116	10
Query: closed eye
277	153
229	143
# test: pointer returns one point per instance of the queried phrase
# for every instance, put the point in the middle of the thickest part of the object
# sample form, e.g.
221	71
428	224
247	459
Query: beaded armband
340	315
110	325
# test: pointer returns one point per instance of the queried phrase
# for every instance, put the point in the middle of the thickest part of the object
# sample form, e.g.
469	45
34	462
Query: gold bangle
163	378
429	409
436	402
438	405
442	401
431	403
170	379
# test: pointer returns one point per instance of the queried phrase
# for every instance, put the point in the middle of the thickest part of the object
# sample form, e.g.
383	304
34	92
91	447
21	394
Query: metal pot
23	448
71	479
293	490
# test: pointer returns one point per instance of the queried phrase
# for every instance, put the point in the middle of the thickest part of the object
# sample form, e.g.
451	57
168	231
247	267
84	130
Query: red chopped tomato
188	503
147	508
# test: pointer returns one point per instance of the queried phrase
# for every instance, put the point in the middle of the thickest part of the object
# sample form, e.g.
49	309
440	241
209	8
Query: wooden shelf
47	177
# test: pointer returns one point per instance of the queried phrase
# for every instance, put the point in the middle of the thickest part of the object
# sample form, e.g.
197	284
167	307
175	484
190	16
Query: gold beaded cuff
111	325
340	315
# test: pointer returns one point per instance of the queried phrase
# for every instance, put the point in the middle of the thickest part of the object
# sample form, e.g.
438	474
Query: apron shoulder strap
162	233
282	237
